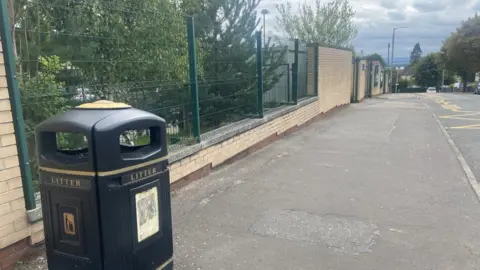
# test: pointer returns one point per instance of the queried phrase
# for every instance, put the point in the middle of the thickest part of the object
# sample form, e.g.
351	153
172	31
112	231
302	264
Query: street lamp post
393	54
388	55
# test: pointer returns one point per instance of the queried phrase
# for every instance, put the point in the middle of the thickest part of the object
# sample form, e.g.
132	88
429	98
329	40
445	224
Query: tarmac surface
460	114
373	186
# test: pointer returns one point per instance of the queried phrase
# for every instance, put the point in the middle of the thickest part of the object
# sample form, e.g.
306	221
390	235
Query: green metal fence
195	72
300	53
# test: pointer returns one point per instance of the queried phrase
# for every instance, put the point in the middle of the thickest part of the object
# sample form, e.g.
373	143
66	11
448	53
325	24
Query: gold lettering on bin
60	181
140	175
69	224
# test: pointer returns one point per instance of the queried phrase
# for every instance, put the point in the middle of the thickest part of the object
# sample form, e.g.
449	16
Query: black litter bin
105	189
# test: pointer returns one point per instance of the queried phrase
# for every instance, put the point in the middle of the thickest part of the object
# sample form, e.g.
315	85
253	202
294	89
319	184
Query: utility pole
393	55
389	66
396	81
443	80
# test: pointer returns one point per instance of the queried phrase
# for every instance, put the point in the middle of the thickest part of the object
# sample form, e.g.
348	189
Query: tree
428	71
404	83
136	52
461	50
416	54
329	24
100	43
226	34
376	57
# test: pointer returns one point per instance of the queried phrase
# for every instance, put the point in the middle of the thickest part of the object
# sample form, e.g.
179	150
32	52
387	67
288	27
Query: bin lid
103	105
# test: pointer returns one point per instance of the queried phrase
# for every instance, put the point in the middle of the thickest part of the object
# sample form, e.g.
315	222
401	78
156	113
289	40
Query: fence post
370	74
315	69
192	61
289	96
259	74
355	93
384	79
295	74
352	96
15	103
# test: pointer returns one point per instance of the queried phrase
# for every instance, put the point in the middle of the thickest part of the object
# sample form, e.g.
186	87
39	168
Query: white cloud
428	22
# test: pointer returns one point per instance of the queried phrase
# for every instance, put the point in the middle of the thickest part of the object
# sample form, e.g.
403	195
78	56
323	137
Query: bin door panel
70	216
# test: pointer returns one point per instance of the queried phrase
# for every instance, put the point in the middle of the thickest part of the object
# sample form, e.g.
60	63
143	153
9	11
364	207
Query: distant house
406	73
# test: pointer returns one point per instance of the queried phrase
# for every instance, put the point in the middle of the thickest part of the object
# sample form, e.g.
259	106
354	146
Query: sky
428	22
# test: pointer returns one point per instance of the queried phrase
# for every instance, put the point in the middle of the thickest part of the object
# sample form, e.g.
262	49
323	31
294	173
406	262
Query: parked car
431	90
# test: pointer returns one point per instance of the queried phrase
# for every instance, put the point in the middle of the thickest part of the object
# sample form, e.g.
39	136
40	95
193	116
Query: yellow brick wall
362	79
334	77
217	154
334	84
13	217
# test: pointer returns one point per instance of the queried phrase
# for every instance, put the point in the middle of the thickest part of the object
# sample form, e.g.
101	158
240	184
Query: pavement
376	185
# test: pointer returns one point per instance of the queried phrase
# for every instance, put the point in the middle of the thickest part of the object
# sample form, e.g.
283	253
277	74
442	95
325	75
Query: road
460	114
373	186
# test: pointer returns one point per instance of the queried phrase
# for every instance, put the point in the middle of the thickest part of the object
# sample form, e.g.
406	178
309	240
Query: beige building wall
14	226
362	79
334	77
334	86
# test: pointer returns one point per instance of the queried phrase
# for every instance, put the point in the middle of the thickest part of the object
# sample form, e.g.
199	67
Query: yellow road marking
465	114
447	105
475	126
462	116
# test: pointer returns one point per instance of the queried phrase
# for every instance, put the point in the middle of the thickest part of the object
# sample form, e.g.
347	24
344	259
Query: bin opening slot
137	143
72	144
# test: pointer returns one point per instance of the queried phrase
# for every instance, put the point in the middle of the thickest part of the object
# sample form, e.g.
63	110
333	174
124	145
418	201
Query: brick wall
15	230
334	86
217	154
334	77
